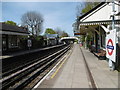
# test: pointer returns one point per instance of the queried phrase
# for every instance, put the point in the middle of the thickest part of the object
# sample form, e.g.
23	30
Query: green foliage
89	38
36	37
89	6
83	38
75	40
89	35
64	34
10	22
23	36
37	41
50	31
39	38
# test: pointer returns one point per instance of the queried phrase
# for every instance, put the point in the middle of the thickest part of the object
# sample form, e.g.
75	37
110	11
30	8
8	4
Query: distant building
52	39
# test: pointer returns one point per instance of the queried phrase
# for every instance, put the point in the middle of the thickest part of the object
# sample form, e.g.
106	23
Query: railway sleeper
36	73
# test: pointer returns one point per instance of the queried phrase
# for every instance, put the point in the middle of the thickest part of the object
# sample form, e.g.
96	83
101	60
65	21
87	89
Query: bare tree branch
34	21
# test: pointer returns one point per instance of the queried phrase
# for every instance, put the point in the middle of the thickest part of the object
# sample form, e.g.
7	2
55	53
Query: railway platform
18	53
72	72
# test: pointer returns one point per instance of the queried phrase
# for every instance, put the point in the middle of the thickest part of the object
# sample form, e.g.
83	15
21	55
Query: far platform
26	52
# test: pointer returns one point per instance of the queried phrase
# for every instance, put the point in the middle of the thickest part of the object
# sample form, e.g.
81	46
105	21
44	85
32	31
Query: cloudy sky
55	14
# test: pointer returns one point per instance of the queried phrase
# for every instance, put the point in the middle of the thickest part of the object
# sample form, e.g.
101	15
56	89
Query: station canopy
13	30
99	15
51	36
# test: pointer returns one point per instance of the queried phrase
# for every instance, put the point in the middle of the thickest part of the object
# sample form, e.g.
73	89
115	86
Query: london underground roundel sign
110	47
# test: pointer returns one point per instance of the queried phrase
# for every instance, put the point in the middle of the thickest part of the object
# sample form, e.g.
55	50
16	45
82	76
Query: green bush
37	41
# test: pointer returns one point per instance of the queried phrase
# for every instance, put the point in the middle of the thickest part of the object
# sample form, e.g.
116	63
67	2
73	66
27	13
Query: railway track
13	64
23	77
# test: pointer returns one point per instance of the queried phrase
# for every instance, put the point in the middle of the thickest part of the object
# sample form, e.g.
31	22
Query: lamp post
113	15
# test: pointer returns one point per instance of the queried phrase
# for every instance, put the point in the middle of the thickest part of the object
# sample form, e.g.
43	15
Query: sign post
29	42
111	41
111	48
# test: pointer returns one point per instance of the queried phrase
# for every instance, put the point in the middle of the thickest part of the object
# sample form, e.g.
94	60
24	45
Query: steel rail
10	80
37	72
28	63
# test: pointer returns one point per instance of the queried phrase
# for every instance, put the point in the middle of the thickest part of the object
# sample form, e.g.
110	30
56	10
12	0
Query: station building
52	39
11	36
99	22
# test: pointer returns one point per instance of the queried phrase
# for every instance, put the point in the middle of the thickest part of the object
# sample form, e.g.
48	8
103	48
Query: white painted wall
102	14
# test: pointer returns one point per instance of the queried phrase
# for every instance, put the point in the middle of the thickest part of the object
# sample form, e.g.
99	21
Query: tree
89	6
82	9
10	22
59	31
79	9
50	31
33	21
64	34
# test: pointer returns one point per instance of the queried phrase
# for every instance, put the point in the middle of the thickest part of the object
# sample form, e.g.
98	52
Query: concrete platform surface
73	74
100	70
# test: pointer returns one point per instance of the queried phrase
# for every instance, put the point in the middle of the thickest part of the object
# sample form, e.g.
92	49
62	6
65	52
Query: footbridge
69	40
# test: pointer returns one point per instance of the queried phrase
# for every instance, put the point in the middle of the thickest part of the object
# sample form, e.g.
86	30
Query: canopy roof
13	30
101	14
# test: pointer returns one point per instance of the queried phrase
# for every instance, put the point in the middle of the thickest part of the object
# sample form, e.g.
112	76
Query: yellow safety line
58	69
53	75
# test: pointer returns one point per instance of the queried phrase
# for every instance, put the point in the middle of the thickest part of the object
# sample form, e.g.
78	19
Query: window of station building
12	40
103	38
4	42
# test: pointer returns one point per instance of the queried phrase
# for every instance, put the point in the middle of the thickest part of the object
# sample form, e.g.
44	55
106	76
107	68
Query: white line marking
36	86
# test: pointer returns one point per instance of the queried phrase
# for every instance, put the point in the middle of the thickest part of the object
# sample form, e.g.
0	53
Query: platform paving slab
73	72
71	75
102	75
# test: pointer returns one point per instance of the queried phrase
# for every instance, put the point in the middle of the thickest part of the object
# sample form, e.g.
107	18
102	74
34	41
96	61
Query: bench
101	54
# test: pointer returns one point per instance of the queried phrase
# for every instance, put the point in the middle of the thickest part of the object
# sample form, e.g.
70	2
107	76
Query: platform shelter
98	21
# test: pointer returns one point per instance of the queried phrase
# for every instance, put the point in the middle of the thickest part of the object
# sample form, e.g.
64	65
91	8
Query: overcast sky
55	14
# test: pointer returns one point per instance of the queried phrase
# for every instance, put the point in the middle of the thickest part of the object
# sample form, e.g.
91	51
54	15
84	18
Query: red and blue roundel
110	47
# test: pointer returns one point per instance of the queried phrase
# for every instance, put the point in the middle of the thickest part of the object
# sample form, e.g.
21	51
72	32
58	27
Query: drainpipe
113	17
